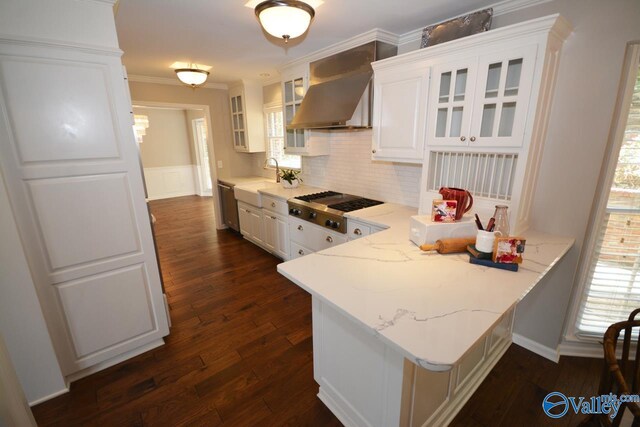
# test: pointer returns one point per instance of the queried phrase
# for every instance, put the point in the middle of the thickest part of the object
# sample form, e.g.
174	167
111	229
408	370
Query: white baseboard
170	181
581	349
51	396
537	348
113	361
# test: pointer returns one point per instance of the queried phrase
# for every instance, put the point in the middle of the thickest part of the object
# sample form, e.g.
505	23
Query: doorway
205	184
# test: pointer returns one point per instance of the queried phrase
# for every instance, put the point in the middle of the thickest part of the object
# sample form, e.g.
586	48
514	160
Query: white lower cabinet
276	234
357	229
366	382
251	219
309	237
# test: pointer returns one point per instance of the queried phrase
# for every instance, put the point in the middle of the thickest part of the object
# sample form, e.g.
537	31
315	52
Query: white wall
349	169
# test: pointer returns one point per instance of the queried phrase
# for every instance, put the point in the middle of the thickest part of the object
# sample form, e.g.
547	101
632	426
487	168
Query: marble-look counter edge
396	238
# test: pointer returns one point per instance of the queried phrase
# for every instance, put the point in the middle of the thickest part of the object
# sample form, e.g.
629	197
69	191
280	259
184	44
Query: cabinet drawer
275	205
356	230
301	232
298	250
328	239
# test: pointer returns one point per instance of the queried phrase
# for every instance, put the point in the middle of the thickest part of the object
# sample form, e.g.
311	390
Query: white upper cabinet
399	114
482	101
501	102
247	124
451	102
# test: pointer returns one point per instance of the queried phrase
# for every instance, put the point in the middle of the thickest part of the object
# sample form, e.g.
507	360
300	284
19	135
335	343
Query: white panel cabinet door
276	234
501	102
399	114
255	219
72	169
451	103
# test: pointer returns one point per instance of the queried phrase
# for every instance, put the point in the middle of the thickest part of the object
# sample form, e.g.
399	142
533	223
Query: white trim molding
537	348
355	41
175	82
170	181
581	349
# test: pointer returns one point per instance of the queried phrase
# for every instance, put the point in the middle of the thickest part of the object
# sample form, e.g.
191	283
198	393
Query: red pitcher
461	196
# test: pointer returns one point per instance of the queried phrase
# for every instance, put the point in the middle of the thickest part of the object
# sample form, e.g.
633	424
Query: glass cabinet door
450	103
237	123
293	91
502	97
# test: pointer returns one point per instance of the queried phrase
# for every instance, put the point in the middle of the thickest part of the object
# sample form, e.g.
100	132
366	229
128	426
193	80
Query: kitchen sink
248	193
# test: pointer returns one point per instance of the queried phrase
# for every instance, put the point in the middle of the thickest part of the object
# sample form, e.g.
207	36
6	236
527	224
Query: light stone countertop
280	192
239	180
431	308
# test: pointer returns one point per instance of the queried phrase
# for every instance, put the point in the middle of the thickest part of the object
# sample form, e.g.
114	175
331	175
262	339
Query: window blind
612	288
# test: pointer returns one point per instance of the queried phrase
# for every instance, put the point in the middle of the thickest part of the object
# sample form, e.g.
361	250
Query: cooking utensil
450	246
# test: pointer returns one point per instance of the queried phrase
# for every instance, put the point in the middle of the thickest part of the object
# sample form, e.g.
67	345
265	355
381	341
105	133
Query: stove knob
313	215
328	223
292	211
335	224
297	212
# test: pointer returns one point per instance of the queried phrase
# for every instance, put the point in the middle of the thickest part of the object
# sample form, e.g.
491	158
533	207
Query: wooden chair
618	374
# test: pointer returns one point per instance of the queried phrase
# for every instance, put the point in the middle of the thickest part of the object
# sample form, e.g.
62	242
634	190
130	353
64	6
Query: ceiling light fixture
285	19
192	76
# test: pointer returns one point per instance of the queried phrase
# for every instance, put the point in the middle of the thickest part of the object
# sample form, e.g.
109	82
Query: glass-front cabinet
293	91
238	123
502	95
482	102
451	103
247	126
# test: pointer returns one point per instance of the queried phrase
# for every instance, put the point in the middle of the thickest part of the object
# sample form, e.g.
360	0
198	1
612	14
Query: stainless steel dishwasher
229	206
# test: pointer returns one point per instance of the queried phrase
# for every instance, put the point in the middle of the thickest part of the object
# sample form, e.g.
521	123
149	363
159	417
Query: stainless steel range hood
340	89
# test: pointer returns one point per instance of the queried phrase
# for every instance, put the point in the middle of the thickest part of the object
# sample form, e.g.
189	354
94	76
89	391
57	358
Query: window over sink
274	120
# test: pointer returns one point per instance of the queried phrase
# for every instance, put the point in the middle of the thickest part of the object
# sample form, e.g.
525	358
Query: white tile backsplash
349	169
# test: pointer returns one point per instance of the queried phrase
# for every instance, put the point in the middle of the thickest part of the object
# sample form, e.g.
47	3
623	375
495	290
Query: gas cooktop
328	207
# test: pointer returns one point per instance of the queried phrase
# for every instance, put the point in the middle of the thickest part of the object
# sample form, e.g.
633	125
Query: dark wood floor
240	350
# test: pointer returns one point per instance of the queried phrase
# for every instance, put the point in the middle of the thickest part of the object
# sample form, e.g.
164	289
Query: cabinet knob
472	139
300	228
373	151
273	204
301	252
329	239
463	138
357	232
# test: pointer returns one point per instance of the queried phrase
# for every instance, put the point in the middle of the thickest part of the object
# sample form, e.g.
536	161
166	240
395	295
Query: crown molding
355	41
270	81
174	82
499	8
10	39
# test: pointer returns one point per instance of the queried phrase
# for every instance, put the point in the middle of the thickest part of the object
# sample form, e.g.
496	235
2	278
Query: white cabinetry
357	229
483	101
276	226
399	113
247	122
297	141
486	117
251	219
310	237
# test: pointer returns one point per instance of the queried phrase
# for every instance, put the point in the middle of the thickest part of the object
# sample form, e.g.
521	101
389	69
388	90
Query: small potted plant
289	178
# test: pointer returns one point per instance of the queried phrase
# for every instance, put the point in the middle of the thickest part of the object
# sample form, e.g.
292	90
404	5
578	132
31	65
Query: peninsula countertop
431	308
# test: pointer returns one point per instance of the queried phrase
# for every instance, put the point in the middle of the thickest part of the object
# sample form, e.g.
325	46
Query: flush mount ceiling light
192	76
285	19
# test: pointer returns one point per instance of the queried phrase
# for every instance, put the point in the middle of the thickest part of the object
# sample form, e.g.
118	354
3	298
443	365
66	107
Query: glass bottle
501	220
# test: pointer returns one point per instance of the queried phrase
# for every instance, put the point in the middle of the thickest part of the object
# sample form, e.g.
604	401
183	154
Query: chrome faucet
277	167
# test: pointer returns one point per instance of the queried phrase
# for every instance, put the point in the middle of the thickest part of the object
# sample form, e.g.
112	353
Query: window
275	140
611	276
